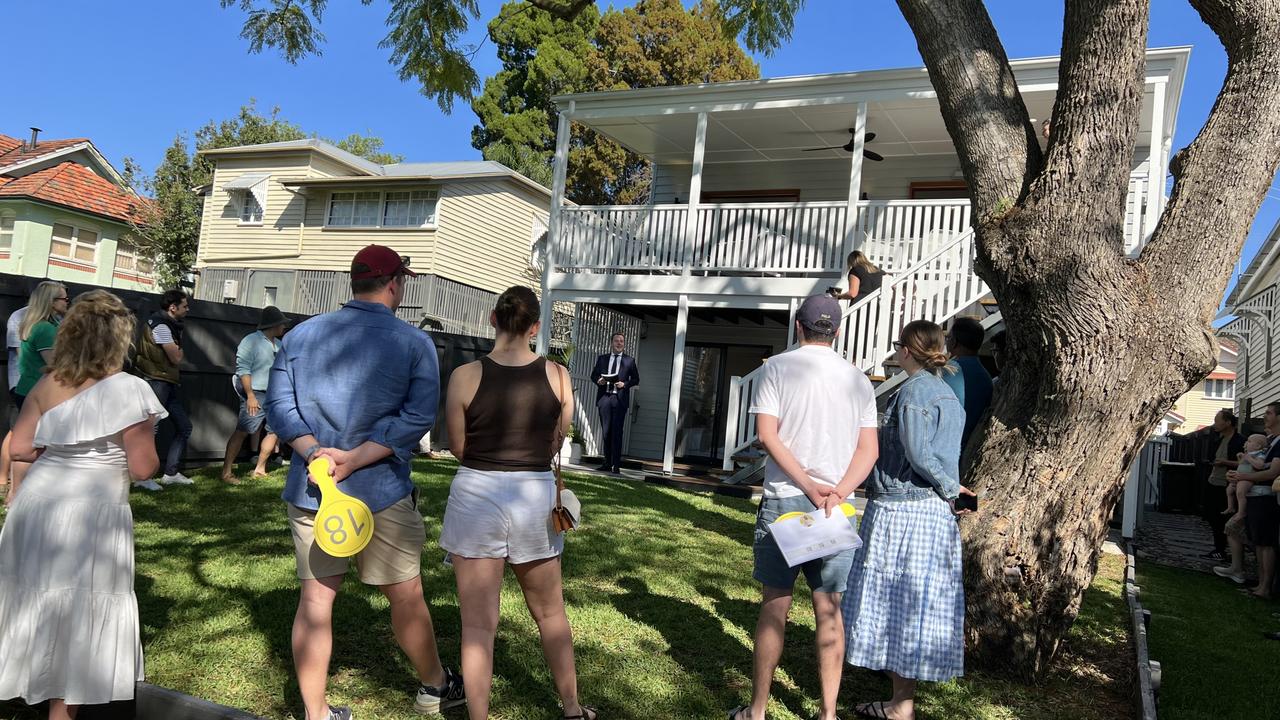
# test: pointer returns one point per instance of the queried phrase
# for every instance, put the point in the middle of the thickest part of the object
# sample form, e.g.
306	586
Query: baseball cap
820	313
271	317
379	261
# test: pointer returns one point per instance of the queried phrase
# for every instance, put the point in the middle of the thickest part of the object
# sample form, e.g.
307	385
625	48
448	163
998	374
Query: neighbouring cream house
1196	409
66	214
282	221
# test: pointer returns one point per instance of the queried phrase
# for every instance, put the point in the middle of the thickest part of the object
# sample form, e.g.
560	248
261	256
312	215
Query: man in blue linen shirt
361	387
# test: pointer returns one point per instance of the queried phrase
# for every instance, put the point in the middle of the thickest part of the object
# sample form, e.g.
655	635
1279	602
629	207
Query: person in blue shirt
254	357
361	387
971	382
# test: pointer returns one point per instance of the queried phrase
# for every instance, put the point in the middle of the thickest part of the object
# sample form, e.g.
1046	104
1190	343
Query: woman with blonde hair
903	605
507	414
39	327
68	614
863	275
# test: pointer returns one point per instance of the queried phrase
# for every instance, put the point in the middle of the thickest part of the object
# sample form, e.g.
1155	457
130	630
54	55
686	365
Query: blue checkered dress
904	603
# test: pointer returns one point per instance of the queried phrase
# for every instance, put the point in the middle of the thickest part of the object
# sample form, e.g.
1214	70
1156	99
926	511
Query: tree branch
1095	120
561	9
981	105
1221	178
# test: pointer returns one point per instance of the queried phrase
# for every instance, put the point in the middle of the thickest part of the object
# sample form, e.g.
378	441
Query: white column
855	181
695	192
1155	163
1129	516
553	226
677	376
791	322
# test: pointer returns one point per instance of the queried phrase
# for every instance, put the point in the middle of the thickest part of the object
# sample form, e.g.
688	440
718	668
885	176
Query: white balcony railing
735	238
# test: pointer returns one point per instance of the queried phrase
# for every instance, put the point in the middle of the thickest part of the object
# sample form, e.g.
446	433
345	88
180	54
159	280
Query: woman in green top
39	327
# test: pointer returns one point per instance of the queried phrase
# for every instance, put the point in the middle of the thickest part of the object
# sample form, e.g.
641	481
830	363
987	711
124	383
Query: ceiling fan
848	147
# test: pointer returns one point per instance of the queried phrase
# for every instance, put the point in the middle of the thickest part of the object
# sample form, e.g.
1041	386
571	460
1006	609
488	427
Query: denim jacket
919	443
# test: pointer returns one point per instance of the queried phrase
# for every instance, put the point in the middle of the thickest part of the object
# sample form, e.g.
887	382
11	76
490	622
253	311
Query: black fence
213	330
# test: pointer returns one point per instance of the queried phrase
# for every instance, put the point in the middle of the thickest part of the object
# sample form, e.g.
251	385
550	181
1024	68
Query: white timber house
746	218
1255	303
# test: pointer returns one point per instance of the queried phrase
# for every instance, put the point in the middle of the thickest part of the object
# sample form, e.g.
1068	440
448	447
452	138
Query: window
130	259
250	209
6	231
400	208
74	243
268	296
1220	389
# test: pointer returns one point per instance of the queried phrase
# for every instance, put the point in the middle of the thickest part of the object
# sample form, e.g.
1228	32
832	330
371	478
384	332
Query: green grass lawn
1208	639
660	596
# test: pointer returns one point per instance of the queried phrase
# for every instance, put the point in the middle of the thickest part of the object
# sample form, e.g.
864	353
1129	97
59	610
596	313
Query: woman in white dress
68	615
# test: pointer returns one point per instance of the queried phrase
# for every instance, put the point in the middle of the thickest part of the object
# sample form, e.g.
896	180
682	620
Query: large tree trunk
1098	346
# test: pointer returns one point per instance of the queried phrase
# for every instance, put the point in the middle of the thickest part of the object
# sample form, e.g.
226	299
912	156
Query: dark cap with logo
376	261
819	313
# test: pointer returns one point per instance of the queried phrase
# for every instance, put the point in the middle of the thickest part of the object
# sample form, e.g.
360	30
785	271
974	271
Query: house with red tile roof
67	214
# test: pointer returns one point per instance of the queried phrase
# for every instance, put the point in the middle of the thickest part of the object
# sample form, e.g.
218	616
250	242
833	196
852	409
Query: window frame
1223	389
246	196
430	222
75	242
127	250
11	233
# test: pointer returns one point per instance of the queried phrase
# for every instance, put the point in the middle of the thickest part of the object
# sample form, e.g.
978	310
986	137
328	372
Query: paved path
1175	539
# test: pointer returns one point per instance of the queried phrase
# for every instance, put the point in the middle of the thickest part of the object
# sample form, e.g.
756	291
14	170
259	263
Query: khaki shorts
393	555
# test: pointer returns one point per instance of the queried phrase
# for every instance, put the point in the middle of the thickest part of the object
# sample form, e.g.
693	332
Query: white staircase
937	287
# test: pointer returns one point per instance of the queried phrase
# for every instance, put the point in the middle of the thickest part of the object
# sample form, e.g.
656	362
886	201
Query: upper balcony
760	189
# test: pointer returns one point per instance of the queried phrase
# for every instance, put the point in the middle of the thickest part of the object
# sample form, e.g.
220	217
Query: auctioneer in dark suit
613	401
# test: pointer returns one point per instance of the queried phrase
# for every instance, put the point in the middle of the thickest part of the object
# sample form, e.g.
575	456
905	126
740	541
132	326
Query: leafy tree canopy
655	42
424	37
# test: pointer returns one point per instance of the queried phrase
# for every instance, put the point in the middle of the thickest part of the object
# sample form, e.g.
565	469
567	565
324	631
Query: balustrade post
731	422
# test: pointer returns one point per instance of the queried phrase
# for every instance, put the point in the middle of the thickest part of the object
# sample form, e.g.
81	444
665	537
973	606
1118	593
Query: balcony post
855	184
553	226
695	194
677	377
1155	164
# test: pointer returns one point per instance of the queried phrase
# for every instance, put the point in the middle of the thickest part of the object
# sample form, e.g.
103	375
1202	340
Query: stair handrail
738	422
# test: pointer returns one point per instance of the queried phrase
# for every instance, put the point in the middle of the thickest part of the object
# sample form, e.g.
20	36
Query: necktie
613	370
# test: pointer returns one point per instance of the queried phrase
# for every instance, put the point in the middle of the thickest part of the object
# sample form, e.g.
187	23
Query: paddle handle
319	469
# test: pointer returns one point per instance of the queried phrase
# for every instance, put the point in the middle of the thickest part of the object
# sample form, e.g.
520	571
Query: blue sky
133	75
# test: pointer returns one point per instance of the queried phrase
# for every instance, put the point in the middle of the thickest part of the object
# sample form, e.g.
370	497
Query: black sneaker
1214	555
340	713
432	700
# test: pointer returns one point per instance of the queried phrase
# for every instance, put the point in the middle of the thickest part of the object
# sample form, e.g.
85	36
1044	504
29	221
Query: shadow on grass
658	588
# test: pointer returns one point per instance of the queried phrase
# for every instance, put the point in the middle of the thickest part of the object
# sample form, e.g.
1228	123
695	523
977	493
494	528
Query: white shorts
494	514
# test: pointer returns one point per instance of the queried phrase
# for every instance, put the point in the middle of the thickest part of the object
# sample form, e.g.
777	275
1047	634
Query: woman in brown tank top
507	414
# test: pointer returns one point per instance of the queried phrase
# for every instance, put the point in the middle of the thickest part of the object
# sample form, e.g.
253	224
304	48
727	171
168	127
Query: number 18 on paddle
343	524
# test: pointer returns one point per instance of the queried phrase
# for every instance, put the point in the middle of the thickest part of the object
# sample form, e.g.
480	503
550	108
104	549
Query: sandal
583	715
873	710
734	713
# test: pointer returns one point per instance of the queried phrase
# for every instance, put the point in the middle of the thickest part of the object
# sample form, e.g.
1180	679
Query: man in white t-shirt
816	417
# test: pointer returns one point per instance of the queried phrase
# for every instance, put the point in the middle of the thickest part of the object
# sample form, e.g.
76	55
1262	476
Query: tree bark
1098	345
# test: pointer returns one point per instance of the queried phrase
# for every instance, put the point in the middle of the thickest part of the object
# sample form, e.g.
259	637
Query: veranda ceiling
903	127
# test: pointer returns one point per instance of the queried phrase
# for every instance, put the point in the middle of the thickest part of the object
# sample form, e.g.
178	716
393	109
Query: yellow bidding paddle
848	509
344	524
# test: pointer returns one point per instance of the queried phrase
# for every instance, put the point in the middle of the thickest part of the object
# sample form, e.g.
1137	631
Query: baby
1251	460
